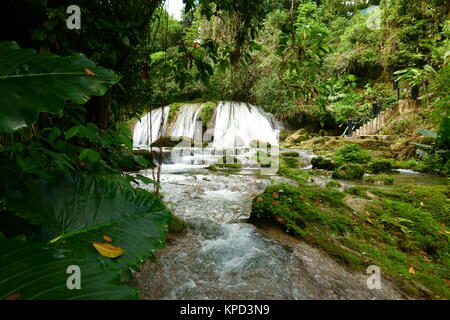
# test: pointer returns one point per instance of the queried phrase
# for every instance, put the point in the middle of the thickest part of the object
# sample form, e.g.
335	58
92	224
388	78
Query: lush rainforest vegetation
67	96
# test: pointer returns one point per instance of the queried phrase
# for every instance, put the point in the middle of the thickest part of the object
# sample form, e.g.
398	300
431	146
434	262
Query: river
221	256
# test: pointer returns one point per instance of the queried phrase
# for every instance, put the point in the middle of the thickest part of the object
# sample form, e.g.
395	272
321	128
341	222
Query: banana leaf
35	271
31	83
83	209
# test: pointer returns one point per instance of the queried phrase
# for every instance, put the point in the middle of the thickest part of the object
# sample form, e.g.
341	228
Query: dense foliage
66	94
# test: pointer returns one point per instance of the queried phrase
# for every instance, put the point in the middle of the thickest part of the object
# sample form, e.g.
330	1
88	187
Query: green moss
379	166
284	134
323	163
290	162
300	139
212	168
176	225
396	228
358	191
173	110
333	184
298	175
382	178
349	171
207	112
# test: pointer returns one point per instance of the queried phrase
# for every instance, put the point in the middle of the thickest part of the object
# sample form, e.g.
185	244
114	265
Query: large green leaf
31	83
427	133
82	209
33	270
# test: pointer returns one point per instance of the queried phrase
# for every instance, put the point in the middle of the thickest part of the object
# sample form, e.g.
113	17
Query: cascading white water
185	122
150	123
238	124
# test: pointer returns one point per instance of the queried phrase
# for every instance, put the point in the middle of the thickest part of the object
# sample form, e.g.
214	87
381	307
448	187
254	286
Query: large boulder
323	163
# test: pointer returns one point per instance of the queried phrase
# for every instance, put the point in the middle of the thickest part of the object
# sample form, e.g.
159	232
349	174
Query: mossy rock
171	142
176	225
395	227
207	112
333	184
323	163
290	162
379	166
349	171
297	137
284	134
380	179
173	110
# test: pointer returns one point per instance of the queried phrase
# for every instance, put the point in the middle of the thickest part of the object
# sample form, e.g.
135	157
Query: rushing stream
220	256
223	257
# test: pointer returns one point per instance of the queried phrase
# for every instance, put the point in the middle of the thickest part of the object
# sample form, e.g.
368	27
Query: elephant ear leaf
81	210
35	271
32	82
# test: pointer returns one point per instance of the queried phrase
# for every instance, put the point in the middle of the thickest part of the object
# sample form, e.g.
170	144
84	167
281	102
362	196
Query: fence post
349	127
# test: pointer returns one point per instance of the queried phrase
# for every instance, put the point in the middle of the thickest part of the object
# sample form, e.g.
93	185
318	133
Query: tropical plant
75	212
24	82
415	76
62	212
436	152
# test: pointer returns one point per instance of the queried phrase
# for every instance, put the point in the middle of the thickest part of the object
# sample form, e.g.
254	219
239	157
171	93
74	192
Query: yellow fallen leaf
89	72
411	270
108	250
421	203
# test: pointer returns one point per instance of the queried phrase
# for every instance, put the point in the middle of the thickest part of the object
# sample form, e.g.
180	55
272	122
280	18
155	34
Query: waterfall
238	124
141	133
185	122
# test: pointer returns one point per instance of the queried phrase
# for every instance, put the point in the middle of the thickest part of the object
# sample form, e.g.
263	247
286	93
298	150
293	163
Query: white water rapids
220	256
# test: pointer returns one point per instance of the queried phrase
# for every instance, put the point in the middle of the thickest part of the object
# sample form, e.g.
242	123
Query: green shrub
349	171
323	163
351	153
379	166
